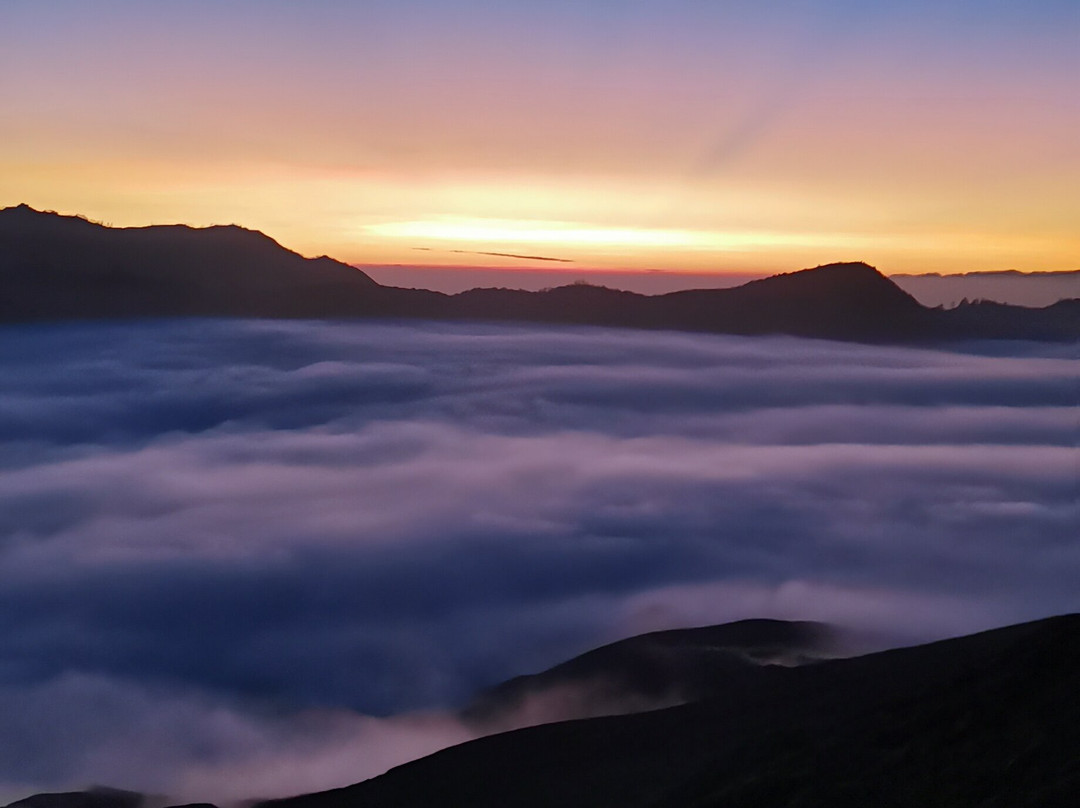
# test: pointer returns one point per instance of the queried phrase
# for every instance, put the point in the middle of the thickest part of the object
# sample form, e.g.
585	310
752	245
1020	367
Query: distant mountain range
55	267
991	719
1033	289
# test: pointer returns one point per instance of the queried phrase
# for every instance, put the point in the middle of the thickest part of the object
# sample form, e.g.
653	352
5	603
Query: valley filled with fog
255	558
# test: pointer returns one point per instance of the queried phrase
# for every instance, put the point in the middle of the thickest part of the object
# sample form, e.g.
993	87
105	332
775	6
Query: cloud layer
226	548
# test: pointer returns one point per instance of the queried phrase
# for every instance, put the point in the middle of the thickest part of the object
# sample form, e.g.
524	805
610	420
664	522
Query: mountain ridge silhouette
56	267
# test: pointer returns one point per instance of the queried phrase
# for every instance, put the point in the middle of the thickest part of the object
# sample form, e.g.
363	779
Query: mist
253	558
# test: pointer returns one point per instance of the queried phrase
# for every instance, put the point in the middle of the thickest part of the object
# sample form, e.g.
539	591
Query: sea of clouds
250	558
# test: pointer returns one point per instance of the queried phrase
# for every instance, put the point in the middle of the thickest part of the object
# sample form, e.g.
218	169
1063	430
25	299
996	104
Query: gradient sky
726	136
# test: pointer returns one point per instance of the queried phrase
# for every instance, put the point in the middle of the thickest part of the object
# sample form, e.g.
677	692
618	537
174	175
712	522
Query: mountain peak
22	217
840	271
845	266
24	211
852	284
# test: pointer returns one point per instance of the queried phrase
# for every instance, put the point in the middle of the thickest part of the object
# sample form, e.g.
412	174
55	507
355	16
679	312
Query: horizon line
551	265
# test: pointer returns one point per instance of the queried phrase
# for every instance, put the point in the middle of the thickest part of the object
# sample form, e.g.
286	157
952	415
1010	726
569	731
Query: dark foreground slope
56	267
992	719
99	797
660	668
92	798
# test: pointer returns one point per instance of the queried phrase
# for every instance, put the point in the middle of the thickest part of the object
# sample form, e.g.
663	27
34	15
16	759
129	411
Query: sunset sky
704	136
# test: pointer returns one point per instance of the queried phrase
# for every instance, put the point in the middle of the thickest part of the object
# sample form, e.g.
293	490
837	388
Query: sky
679	135
244	558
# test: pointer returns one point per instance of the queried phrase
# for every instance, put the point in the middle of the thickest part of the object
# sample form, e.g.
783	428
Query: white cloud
214	520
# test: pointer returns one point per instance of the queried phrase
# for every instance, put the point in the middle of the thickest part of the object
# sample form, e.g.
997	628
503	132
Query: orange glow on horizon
711	139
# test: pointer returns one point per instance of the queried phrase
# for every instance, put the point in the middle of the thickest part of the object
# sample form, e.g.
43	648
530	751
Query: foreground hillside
992	719
651	670
56	267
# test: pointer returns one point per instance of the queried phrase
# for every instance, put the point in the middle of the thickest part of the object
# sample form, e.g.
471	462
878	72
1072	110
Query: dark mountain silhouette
992	719
56	267
99	797
650	670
